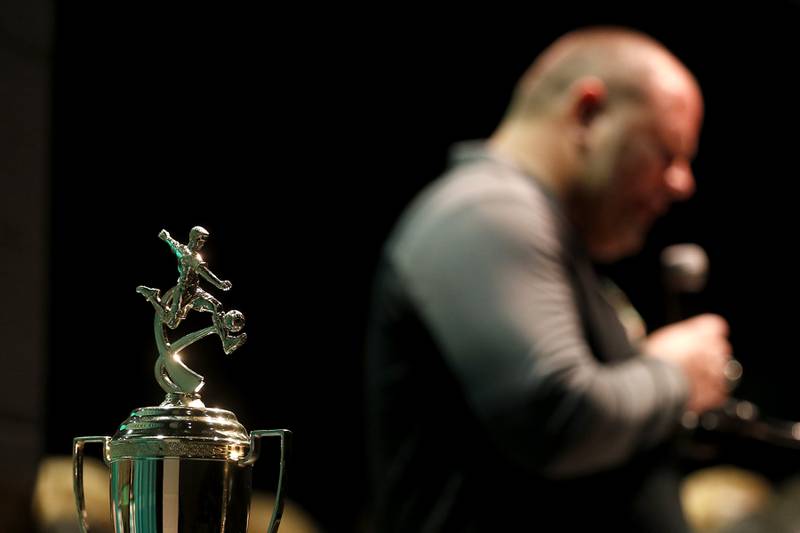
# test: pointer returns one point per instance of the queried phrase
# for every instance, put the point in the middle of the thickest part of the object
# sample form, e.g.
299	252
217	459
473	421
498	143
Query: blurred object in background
780	515
25	34
720	496
295	519
54	502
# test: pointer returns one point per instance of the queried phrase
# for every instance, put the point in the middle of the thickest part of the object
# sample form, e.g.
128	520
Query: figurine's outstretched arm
177	247
211	278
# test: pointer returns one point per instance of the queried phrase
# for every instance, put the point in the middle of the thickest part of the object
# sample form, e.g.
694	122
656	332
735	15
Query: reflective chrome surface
171	372
167	493
169	431
172	495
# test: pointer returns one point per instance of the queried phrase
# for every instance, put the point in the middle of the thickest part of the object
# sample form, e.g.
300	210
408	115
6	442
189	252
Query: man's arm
489	282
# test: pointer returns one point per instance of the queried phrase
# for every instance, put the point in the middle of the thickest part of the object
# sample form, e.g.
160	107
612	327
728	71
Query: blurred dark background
296	136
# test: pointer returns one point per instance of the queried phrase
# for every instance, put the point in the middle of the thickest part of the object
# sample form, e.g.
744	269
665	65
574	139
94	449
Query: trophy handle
77	473
252	456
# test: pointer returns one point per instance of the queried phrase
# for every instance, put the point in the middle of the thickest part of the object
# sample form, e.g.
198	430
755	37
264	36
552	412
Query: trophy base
172	495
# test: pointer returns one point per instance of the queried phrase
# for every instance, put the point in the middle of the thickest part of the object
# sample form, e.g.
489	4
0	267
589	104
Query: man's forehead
679	110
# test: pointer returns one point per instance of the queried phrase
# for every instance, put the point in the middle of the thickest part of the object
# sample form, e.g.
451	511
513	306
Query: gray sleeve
490	284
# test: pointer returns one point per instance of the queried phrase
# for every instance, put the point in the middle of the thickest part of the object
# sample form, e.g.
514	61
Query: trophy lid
180	431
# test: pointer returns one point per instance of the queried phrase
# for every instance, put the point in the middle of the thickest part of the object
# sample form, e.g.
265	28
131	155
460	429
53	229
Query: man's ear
589	97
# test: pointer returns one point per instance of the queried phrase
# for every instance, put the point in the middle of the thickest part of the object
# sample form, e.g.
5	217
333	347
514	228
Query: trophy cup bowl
177	469
181	467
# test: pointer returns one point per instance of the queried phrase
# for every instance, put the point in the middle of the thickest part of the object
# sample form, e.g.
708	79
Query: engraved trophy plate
181	467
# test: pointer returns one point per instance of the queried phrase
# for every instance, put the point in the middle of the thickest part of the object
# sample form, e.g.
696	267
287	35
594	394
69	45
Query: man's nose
679	180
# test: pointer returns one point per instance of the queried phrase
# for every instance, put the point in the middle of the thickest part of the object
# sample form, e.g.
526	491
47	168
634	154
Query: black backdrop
295	135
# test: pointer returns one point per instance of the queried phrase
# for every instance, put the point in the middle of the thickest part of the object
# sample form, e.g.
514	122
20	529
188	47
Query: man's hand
225	285
163	234
700	347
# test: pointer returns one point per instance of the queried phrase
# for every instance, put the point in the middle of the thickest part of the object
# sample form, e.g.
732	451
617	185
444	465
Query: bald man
502	391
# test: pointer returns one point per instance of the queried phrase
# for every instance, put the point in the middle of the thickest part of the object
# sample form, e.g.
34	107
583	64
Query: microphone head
685	268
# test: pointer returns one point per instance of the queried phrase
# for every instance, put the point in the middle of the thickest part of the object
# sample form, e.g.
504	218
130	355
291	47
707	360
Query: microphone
685	272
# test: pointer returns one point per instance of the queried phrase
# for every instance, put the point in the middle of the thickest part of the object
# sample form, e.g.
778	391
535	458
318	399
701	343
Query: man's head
610	120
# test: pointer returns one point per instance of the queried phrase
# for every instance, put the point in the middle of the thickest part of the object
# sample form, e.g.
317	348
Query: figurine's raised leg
153	296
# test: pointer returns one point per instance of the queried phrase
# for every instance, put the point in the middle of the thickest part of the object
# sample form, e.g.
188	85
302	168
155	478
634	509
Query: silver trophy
182	467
